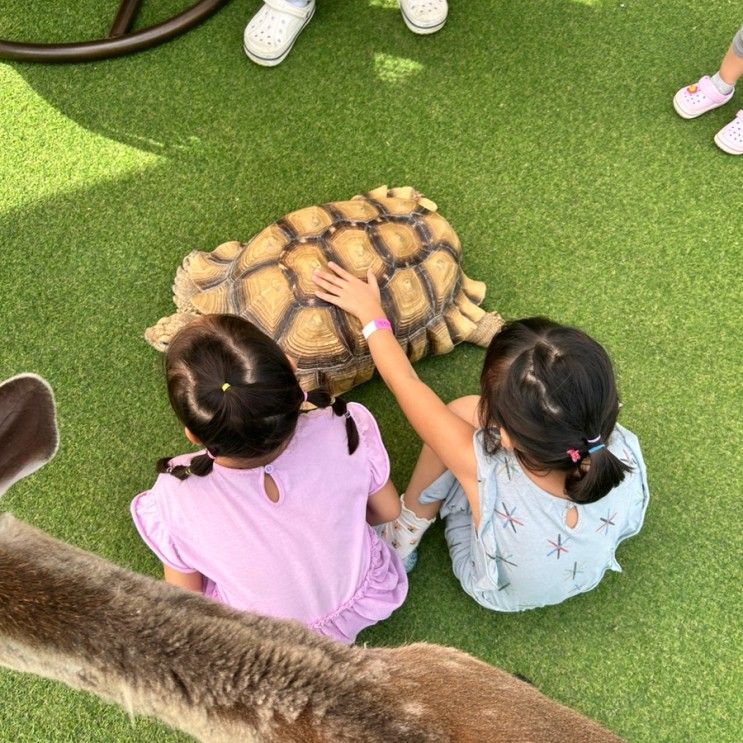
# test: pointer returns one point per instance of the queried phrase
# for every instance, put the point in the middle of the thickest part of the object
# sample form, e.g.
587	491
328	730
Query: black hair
236	391
552	389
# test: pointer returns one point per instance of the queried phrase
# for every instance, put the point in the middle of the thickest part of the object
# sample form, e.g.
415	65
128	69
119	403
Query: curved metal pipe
124	18
113	47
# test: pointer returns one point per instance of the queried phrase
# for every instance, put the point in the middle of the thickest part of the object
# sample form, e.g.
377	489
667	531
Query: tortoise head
28	427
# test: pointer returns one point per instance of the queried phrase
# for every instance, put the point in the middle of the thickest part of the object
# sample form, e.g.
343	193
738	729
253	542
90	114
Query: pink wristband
374	325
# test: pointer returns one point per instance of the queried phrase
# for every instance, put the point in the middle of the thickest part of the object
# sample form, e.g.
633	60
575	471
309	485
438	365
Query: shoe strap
282	6
708	88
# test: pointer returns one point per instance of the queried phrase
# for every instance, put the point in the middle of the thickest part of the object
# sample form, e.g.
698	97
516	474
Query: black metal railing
118	41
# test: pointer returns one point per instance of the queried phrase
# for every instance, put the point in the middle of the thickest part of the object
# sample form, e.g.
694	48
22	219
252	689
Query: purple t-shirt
310	556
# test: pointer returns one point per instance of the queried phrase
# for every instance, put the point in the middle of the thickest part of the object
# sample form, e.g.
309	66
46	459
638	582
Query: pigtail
323	399
340	407
200	465
604	472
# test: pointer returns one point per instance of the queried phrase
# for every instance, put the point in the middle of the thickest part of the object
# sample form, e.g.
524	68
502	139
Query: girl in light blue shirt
533	547
537	481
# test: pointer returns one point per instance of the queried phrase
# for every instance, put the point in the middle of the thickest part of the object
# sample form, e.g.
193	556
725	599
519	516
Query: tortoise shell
411	248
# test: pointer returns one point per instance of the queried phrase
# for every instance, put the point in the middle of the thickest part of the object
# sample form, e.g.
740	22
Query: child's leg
428	468
732	64
404	534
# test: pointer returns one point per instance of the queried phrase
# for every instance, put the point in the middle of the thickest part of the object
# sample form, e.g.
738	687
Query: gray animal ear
28	427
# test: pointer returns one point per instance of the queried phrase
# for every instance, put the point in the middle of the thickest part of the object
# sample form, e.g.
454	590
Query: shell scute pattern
310	221
354	248
299	262
413	251
265	247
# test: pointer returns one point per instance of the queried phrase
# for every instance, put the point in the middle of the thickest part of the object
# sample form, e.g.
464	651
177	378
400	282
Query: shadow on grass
355	67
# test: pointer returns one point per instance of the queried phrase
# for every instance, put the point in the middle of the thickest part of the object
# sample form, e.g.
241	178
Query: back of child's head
552	389
236	391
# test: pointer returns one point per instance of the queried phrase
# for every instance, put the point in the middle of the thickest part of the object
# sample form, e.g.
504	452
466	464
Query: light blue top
524	555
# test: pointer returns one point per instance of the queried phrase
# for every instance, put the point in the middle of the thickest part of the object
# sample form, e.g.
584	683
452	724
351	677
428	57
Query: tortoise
398	233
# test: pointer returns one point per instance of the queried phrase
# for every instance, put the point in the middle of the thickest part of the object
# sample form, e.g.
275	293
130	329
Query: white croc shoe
273	30
730	138
424	16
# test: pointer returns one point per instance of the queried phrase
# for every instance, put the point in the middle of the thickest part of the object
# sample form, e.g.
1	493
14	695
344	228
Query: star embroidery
508	518
559	546
571	573
607	522
504	560
508	468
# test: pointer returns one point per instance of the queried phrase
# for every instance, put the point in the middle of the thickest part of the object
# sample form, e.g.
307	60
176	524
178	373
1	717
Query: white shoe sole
273	61
726	148
422	30
684	115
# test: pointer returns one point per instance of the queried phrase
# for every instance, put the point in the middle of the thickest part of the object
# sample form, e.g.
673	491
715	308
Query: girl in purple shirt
275	514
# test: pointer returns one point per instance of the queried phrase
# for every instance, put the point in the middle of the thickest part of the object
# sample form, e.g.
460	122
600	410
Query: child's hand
344	290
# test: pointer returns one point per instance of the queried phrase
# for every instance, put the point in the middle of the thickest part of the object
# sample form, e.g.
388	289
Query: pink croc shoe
699	98
730	138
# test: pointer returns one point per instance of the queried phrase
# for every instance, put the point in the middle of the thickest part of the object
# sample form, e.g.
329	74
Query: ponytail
604	472
323	399
199	465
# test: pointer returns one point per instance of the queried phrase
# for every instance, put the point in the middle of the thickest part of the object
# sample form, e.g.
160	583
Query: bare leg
429	467
732	67
404	533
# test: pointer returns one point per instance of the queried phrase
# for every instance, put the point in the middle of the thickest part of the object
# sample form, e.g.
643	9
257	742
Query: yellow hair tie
225	386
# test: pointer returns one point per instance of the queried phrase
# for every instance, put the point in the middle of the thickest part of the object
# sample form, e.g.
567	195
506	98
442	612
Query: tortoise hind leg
483	325
475	290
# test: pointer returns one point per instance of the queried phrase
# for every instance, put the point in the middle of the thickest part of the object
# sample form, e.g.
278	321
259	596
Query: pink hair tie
574	454
209	454
304	395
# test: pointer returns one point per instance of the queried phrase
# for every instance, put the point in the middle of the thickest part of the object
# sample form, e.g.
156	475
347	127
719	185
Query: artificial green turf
544	131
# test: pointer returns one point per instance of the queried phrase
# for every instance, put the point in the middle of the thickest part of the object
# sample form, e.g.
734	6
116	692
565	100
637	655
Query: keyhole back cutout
270	488
571	517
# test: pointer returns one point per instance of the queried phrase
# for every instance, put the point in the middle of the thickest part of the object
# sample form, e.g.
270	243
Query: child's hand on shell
344	290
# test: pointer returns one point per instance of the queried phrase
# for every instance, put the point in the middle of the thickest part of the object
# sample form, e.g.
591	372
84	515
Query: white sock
405	532
723	87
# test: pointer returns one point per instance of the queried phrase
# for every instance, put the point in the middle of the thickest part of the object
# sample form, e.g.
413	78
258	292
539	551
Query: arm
383	506
443	430
189	581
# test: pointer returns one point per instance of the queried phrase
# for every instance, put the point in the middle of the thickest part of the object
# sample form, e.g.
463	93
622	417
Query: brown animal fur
222	675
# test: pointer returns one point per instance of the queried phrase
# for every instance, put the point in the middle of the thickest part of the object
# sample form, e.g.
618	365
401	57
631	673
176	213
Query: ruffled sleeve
152	529
378	460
